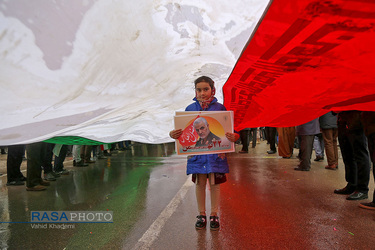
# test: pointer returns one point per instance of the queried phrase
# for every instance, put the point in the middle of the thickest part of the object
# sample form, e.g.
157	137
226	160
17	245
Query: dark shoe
301	169
23	178
357	196
56	174
80	164
36	188
44	183
243	152
214	223
369	205
64	172
15	183
49	177
271	151
201	222
319	158
332	167
344	190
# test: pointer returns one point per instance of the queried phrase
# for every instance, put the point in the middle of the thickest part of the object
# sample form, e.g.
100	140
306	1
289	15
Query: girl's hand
175	134
233	137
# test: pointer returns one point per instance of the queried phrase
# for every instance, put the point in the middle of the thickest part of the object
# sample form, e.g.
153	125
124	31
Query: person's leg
244	136
291	136
35	157
328	145
215	200
59	160
200	191
272	140
371	147
77	153
361	157
14	161
306	145
47	160
335	146
348	159
321	141
254	132
318	149
87	153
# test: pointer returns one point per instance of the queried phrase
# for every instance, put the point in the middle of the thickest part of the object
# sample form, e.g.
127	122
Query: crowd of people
351	131
45	161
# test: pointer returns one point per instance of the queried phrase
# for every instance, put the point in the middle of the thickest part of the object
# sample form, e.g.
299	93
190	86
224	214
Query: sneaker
49	177
64	172
36	188
56	175
15	183
201	222
369	205
214	223
319	158
44	183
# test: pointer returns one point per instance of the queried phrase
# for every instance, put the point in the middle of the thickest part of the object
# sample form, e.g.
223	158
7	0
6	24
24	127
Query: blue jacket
211	163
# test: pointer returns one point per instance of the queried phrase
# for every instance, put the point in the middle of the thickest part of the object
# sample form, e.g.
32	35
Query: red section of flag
306	58
189	135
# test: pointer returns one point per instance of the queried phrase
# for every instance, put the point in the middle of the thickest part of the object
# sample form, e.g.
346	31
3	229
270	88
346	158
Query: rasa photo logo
67	219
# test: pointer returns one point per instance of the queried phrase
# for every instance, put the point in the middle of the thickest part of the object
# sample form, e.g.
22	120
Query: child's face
203	91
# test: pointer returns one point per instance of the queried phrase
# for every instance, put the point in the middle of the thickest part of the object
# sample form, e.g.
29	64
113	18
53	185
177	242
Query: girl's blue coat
212	163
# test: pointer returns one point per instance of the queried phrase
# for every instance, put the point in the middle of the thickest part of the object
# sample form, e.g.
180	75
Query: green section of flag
73	140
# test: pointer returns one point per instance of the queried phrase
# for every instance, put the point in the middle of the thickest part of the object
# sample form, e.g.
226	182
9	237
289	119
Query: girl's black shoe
201	222
214	223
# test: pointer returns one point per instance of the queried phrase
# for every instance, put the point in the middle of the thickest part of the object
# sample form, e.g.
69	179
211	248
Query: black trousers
59	160
354	150
271	137
14	161
35	156
48	156
253	135
244	136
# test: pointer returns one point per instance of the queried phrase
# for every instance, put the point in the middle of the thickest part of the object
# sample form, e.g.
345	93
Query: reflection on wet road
265	205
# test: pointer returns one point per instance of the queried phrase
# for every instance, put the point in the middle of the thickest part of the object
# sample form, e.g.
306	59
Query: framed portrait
204	132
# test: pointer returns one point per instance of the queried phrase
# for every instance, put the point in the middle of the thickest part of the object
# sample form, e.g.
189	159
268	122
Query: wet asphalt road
264	205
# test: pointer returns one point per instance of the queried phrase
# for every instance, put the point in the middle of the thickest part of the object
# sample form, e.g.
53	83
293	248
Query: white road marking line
154	230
